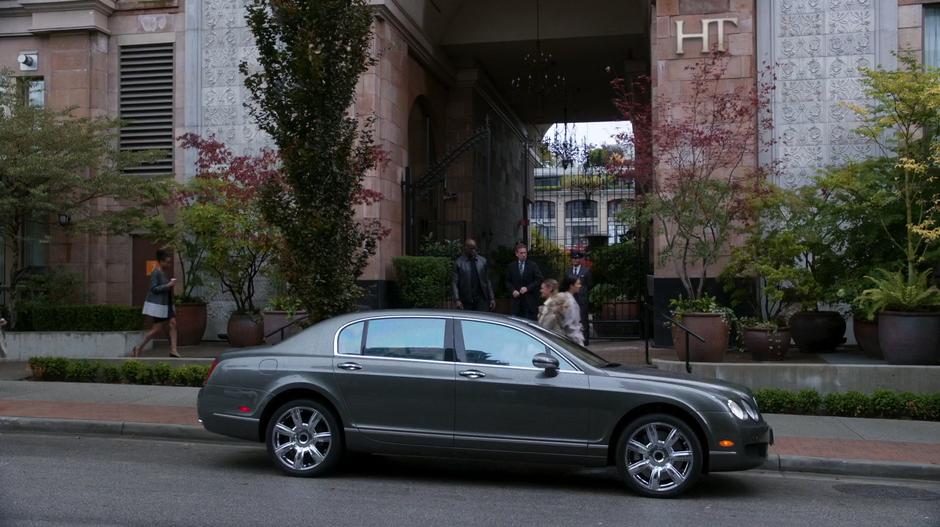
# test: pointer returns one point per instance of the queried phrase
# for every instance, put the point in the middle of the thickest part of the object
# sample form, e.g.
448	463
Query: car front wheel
303	438
659	456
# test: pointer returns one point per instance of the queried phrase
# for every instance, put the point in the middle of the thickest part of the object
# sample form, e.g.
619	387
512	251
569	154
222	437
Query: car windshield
573	348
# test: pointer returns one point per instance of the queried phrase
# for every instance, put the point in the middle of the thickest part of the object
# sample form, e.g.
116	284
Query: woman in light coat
560	312
159	304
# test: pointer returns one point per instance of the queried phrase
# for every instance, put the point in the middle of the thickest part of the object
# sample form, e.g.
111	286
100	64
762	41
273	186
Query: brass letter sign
681	35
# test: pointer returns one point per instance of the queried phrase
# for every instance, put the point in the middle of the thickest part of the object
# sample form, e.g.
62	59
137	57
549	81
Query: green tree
52	163
311	56
903	119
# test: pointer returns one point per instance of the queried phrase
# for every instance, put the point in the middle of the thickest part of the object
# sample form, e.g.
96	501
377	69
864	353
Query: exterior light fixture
65	220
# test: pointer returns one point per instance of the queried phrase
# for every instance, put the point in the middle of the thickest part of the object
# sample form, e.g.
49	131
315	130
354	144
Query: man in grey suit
470	282
580	271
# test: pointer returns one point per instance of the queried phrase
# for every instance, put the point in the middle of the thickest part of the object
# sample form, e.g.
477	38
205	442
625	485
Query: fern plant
893	292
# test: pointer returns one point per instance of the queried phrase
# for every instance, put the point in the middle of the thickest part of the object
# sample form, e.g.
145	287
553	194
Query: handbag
156	310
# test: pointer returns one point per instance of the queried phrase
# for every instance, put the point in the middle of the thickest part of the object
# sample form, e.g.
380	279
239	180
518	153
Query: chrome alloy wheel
301	438
659	457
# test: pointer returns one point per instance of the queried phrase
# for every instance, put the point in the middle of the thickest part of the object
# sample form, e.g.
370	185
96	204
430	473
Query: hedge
422	280
130	372
881	403
80	318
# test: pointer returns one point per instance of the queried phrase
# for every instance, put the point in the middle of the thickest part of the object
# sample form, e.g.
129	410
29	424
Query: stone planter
767	344
245	331
909	338
21	345
709	326
191	322
274	320
866	335
817	331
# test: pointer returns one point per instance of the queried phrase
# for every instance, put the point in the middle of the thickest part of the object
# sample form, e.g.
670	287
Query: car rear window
398	338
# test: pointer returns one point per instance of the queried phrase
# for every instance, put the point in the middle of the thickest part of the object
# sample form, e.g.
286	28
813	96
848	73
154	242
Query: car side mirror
546	362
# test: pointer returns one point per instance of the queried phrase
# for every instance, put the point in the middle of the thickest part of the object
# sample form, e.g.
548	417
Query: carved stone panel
818	47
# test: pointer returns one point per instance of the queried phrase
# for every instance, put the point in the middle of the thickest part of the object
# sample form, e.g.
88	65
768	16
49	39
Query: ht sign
681	35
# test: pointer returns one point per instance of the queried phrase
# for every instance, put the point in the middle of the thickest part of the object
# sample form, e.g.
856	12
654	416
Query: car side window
486	343
406	338
350	339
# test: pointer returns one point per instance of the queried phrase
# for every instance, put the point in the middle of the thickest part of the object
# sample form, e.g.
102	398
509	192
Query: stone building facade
444	70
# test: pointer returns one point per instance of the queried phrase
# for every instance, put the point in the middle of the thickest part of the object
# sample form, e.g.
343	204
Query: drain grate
886	491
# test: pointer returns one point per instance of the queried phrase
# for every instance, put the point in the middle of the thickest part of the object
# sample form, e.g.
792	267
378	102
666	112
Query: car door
396	377
505	403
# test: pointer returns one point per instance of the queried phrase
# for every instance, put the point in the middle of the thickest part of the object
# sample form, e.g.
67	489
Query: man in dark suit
523	278
470	282
579	271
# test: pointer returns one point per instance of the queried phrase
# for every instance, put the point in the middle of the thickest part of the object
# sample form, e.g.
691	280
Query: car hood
718	388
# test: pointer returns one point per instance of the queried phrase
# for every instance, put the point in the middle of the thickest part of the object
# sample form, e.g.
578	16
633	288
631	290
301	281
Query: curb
109	428
852	467
775	462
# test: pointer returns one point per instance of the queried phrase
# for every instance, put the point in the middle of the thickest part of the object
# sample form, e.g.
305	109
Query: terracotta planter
909	338
766	344
628	310
817	331
866	335
275	320
190	324
710	327
245	330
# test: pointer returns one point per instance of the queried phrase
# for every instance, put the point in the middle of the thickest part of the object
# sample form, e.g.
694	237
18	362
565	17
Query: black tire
317	455
678	464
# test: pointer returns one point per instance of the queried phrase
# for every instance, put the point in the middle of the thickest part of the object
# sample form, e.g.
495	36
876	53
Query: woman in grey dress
159	304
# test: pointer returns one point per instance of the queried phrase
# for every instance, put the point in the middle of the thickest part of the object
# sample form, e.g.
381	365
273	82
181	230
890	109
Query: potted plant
222	210
704	172
908	317
618	278
903	119
706	318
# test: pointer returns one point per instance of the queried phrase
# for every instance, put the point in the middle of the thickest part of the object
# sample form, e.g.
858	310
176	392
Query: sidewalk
836	445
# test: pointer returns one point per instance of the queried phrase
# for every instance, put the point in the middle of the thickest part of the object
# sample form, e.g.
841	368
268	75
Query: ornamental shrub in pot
708	320
908	317
765	341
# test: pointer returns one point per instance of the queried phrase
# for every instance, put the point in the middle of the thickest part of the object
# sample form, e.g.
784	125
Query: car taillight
211	369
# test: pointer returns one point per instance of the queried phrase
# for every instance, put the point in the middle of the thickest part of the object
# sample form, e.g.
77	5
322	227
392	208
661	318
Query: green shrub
848	404
110	373
806	402
422	280
79	318
887	404
160	373
81	371
179	377
131	371
922	407
775	401
56	369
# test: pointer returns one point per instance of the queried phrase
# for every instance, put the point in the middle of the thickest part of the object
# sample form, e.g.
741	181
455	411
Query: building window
542	210
616	229
146	104
581	209
36	244
32	90
932	35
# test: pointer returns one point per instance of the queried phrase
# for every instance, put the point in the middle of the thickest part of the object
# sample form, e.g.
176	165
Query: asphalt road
95	481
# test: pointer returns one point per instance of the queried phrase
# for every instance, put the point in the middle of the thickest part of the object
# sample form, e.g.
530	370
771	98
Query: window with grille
146	104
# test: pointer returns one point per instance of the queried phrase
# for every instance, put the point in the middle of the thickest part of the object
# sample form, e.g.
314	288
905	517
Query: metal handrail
688	351
285	326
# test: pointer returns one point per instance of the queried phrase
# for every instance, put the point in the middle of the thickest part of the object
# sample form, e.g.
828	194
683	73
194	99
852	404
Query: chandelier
539	78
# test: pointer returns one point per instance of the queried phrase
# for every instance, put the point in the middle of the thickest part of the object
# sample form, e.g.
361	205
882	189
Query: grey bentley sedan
475	385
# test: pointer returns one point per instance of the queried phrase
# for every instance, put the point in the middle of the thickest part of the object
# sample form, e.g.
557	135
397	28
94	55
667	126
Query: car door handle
472	374
349	366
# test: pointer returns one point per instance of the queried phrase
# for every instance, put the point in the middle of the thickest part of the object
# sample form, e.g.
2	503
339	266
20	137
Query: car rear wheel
659	456
304	439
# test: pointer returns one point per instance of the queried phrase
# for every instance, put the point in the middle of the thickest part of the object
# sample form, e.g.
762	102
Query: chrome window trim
564	358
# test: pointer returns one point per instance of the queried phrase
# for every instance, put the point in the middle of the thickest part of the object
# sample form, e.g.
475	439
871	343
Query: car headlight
736	410
751	412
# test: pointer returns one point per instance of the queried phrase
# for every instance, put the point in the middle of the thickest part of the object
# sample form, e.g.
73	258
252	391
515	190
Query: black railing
688	332
285	326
